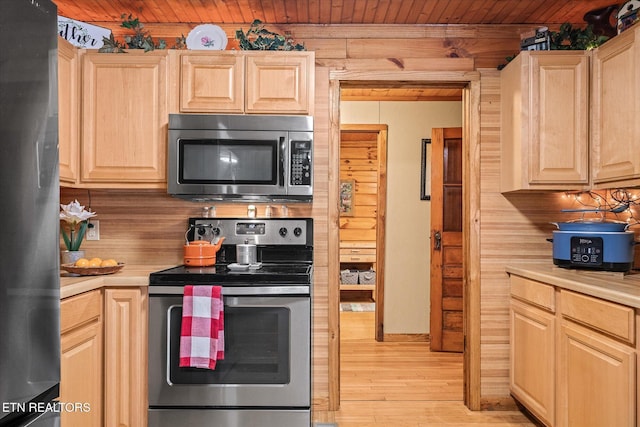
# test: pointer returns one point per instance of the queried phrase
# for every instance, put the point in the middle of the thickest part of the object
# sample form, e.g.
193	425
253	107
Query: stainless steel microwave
240	157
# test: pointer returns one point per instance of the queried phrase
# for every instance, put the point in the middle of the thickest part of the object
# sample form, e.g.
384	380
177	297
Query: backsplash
148	226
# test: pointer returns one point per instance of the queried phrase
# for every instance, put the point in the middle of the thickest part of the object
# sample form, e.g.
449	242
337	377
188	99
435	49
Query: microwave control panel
300	162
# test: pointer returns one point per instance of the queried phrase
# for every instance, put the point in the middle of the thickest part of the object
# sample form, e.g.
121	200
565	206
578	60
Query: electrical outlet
93	230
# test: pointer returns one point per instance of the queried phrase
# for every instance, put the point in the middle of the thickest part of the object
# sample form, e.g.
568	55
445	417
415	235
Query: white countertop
615	287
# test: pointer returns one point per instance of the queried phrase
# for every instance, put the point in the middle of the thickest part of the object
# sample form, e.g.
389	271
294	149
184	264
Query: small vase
70	257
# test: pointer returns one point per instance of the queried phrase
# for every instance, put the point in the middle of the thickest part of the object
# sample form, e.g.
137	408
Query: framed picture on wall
425	170
347	192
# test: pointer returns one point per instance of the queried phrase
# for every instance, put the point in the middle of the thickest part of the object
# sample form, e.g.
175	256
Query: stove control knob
201	230
297	231
283	231
216	231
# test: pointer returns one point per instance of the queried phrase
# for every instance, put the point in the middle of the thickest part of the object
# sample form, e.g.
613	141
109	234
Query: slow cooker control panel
586	250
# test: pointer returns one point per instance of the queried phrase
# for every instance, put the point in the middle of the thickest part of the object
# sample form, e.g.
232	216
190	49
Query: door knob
438	237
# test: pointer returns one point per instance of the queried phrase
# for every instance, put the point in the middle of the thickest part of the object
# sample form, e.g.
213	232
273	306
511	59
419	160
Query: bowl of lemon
93	267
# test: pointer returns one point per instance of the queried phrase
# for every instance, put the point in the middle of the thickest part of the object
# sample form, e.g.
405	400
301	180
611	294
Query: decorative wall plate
207	37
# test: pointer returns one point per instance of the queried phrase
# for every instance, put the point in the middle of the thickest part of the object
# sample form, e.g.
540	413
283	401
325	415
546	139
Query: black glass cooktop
294	274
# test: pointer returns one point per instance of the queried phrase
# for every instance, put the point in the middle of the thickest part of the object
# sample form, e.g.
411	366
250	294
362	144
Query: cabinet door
81	359
124	119
126	367
280	82
532	359
545	105
596	380
68	111
212	83
615	107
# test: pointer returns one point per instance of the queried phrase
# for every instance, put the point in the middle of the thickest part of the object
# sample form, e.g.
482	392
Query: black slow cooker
595	245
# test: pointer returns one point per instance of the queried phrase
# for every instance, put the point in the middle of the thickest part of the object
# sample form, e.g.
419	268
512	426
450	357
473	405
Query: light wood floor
403	384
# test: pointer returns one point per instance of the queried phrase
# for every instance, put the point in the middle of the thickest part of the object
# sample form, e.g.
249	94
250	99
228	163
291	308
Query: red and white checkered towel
202	332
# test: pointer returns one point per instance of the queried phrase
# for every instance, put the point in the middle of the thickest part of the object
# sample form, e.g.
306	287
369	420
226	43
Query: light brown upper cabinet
68	111
124	119
247	82
212	82
615	106
545	129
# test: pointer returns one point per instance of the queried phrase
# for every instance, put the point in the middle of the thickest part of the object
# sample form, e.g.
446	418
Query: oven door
266	361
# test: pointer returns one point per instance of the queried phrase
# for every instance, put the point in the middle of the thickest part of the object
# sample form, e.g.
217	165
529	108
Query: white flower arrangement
73	215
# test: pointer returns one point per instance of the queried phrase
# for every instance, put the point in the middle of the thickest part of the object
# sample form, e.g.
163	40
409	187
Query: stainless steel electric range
265	377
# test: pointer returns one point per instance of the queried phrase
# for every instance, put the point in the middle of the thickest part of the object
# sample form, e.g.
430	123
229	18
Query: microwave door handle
283	161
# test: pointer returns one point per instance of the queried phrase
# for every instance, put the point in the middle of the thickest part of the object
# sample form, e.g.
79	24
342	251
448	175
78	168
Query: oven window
220	161
256	348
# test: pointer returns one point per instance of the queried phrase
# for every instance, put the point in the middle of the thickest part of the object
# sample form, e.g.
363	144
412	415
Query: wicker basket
367	277
349	277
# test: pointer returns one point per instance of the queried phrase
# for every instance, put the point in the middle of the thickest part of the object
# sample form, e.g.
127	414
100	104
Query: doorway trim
469	82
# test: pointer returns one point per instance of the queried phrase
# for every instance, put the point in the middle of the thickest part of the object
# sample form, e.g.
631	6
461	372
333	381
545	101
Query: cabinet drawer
533	292
357	251
80	309
358	258
614	319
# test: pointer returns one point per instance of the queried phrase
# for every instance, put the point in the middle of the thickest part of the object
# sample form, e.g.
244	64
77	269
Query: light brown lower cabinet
125	364
81	359
596	379
104	357
573	356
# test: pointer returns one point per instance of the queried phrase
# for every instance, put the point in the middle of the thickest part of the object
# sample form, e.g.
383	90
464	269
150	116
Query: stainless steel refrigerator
29	214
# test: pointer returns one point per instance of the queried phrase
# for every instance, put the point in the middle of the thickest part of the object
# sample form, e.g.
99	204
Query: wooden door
446	332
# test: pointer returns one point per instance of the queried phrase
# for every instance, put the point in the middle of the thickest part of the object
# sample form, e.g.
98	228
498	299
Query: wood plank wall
148	227
513	228
359	163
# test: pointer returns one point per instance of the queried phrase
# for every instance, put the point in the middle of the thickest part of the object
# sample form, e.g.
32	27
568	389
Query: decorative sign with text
81	34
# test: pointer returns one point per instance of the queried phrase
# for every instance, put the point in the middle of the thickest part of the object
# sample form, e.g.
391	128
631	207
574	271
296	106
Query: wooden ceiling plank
328	12
161	8
279	11
187	11
546	13
314	11
209	12
370	12
516	13
228	15
96	9
500	11
331	11
303	11
243	10
235	14
291	11
380	17
443	11
490	9
256	10
426	13
392	12
348	11
403	11
268	7
477	10
198	13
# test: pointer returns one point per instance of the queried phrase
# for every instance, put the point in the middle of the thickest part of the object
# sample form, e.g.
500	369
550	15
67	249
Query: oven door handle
238	291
